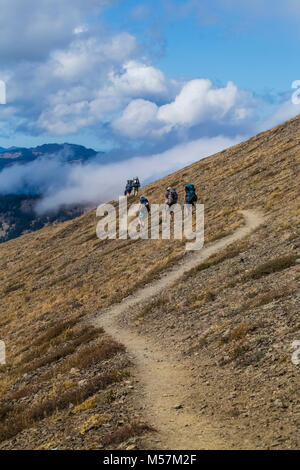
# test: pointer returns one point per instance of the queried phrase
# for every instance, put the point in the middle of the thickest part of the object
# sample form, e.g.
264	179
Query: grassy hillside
69	385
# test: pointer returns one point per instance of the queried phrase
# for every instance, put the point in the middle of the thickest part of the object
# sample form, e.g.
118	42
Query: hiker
136	186
128	188
171	200
190	198
144	210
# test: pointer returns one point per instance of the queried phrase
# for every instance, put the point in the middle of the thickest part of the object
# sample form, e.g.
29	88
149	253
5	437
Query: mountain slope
231	321
21	155
165	377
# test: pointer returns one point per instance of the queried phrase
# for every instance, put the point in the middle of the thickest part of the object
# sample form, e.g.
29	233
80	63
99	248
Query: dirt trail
165	383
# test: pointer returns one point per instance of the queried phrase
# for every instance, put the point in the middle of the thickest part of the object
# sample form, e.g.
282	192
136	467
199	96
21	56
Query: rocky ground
233	326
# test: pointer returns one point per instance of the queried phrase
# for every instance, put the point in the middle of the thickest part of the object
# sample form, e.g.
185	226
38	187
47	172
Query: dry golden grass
240	331
89	355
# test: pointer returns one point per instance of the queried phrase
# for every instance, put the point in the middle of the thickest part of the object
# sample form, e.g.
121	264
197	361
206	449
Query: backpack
136	183
128	188
190	194
172	197
145	202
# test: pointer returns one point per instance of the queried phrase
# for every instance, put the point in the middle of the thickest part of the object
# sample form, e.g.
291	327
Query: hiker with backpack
144	210
171	199
136	186
128	188
190	197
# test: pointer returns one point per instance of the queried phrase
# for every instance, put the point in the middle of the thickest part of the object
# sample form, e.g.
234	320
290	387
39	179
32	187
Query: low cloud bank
92	183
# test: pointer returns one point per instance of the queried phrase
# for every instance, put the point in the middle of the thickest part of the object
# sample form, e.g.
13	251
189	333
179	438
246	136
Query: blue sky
254	47
56	69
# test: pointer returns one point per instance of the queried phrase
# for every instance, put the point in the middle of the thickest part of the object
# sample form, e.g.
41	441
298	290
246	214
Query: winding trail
164	382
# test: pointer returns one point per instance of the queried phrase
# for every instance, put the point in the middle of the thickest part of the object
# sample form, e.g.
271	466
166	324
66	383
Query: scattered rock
278	402
131	447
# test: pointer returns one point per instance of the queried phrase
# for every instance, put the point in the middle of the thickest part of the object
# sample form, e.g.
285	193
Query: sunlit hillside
67	384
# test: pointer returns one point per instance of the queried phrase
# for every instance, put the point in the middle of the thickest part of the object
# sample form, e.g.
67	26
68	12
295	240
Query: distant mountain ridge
70	152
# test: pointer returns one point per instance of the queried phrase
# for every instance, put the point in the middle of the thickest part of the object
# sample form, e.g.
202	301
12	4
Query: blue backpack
191	196
145	202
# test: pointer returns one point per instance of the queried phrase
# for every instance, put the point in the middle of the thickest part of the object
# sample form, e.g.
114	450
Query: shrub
93	354
272	266
23	392
266	298
126	432
58	353
231	252
94	421
238	351
76	337
15	419
156	303
88	404
240	331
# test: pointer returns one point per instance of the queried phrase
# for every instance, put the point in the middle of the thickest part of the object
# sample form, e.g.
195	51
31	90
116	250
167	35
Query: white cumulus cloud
140	79
198	101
